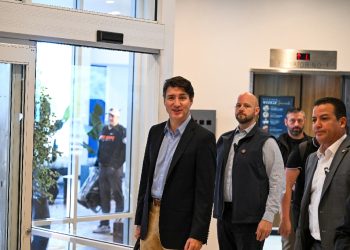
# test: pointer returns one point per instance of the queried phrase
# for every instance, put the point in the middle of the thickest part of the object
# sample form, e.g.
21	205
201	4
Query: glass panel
5	83
118	232
144	9
61	3
42	243
82	115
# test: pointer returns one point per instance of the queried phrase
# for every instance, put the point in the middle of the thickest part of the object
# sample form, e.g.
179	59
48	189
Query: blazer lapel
313	166
338	157
185	139
156	143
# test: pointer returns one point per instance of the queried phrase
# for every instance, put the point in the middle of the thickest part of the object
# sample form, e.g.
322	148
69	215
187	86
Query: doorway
305	86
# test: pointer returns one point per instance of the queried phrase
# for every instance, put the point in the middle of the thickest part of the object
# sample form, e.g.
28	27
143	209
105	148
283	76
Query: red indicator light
303	56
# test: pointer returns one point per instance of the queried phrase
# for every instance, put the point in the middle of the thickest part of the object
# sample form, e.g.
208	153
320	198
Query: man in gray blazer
327	179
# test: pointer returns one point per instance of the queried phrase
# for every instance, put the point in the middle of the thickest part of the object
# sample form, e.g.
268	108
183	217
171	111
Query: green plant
95	127
45	152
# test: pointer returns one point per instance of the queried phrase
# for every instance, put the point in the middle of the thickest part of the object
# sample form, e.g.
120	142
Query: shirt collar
247	130
332	149
180	129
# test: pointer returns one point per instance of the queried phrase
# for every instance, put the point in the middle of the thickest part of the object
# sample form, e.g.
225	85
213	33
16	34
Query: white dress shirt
323	165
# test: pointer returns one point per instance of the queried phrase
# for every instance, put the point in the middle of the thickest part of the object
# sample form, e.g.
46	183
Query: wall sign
272	113
303	59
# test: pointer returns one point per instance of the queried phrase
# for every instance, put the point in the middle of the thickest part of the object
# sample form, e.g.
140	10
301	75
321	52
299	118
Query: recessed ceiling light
114	13
109	1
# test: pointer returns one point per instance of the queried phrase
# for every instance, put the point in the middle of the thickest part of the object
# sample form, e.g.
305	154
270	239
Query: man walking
295	122
177	181
327	178
110	159
249	183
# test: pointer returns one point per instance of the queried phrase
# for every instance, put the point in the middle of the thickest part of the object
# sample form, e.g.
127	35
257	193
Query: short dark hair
180	82
339	106
294	110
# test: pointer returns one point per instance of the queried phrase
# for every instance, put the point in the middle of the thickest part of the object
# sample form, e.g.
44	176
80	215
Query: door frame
16	51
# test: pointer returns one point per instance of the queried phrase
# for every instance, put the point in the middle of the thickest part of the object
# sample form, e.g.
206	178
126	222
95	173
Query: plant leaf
96	131
66	114
89	149
95	119
98	110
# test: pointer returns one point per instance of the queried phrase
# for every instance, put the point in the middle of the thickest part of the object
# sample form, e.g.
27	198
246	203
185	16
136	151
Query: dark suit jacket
336	190
342	233
187	198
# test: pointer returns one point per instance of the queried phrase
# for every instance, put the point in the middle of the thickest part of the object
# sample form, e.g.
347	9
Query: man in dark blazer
327	178
342	233
177	181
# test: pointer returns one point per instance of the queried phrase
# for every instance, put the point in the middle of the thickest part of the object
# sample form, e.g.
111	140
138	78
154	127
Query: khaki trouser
152	240
288	243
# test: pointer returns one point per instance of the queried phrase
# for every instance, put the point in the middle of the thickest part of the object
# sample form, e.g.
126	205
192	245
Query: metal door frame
15	51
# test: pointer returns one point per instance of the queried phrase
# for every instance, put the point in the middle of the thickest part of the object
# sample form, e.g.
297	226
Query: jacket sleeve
143	182
342	233
204	188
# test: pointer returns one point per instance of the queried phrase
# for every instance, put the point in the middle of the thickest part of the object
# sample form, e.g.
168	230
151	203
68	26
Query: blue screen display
272	113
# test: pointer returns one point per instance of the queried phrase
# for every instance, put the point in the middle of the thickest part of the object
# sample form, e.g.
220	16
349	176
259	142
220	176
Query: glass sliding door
82	171
12	77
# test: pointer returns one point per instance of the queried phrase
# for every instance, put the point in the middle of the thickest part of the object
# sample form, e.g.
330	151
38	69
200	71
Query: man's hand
264	230
285	228
137	232
193	244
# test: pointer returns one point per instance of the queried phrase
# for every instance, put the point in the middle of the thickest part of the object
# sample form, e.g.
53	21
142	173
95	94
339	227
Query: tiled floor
58	210
273	243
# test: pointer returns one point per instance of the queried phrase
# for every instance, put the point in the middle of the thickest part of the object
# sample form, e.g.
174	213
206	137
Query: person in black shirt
296	168
110	159
295	122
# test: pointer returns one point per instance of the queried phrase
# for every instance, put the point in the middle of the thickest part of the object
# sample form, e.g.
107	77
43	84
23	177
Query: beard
295	131
245	119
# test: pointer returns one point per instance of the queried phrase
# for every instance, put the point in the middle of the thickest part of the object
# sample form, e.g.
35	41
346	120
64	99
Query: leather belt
156	202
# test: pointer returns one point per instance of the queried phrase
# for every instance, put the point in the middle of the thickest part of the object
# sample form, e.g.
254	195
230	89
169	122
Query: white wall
217	42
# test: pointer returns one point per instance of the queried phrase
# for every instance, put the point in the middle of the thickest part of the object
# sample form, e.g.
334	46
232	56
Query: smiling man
177	181
327	178
250	181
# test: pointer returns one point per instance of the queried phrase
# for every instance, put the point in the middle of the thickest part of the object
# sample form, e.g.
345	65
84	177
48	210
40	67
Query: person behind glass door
250	181
295	123
110	159
177	181
327	178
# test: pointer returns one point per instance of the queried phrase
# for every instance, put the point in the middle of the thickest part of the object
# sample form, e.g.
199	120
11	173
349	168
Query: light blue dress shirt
166	152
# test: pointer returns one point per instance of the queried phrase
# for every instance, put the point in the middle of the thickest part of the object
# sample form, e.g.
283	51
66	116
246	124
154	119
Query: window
144	9
83	126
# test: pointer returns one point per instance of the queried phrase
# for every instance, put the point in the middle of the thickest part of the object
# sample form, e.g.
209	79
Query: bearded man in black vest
250	181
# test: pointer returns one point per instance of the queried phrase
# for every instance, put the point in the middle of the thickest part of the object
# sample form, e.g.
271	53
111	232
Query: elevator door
15	62
305	88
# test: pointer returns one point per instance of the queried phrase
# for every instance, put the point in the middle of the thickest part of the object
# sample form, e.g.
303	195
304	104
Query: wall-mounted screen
272	113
